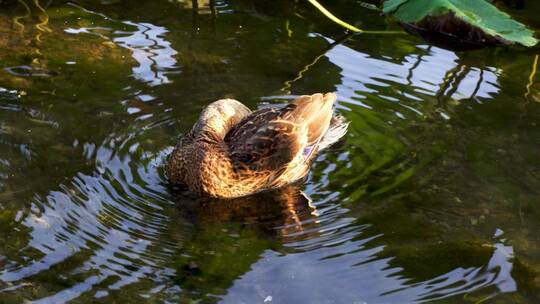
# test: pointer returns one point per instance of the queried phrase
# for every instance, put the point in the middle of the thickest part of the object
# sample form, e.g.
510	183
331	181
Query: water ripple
112	220
147	43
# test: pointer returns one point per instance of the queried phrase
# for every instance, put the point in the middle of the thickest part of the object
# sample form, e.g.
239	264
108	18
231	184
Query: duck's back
282	141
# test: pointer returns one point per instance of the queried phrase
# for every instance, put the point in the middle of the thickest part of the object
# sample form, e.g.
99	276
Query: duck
233	152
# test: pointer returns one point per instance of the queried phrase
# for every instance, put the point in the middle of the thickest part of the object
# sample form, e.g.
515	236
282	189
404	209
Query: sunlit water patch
154	54
433	72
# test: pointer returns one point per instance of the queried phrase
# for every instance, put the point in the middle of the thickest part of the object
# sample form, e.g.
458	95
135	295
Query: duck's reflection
229	236
285	213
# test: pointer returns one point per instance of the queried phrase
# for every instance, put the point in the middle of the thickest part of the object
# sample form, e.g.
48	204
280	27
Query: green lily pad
479	14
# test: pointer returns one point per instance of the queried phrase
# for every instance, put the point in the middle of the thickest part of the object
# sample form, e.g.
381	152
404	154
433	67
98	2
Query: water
431	197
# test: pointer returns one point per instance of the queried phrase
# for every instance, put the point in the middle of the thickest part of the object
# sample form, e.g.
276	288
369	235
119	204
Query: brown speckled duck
233	152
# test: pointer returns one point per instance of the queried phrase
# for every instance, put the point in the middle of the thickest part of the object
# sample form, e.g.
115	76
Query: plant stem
531	76
334	18
346	25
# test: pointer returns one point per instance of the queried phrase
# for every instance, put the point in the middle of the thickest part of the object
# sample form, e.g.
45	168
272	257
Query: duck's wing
250	125
263	141
282	140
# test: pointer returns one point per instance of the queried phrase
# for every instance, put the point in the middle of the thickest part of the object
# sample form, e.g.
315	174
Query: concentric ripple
113	222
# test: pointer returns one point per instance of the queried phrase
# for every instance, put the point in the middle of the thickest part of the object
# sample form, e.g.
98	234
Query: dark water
433	196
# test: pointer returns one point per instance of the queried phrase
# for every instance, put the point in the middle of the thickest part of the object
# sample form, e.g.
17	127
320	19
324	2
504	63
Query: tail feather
313	114
338	129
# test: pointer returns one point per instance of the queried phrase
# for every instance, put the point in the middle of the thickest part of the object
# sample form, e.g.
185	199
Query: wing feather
282	141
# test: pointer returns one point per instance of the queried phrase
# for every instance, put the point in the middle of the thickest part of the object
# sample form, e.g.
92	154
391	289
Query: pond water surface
433	195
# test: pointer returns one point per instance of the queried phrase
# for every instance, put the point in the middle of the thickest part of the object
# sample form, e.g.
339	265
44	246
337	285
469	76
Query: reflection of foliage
16	19
49	117
431	260
383	158
42	16
288	84
474	189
